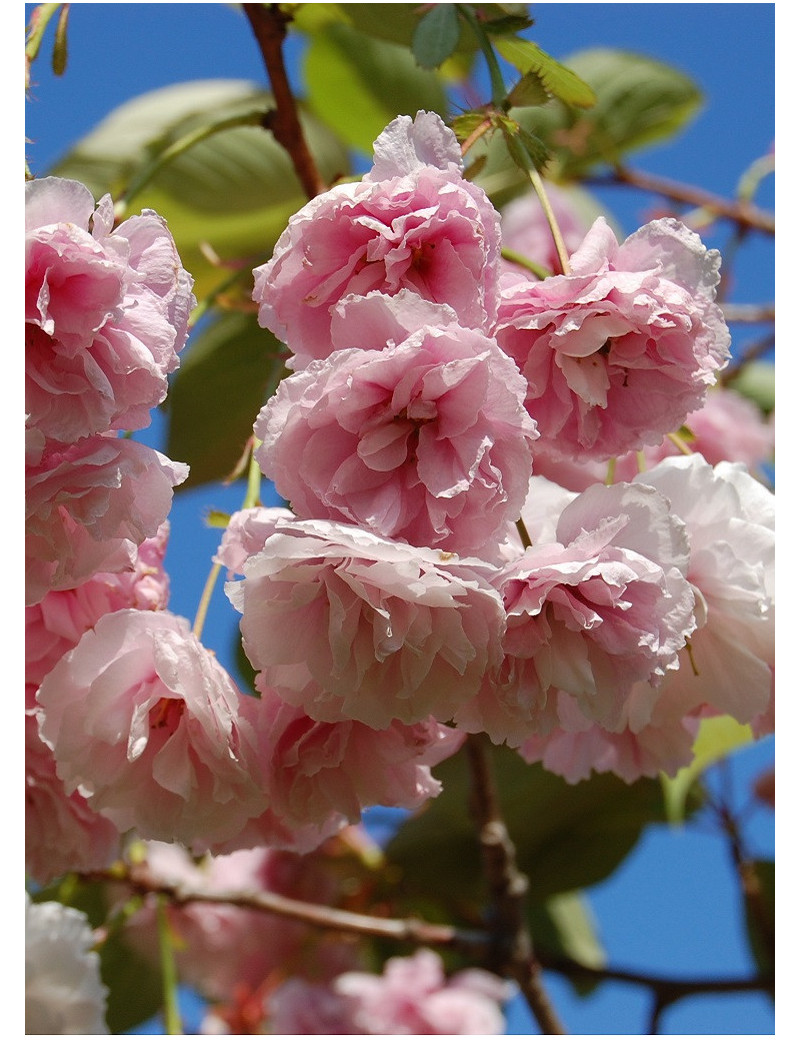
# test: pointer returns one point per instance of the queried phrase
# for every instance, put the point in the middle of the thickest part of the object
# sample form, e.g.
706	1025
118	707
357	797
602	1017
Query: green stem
169	974
205	600
555	230
499	94
514	257
40	18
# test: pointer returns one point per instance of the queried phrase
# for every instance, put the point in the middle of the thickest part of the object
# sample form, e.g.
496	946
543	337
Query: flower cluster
451	560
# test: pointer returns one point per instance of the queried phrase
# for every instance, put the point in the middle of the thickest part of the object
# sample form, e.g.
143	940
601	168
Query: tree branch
511	951
142	882
742	213
269	23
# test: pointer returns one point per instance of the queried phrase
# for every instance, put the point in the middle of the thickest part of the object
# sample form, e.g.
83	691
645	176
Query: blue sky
672	907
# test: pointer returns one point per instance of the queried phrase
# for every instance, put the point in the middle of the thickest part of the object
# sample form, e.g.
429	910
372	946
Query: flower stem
169	975
555	230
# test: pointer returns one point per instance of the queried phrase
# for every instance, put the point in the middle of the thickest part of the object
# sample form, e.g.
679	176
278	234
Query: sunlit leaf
564	926
234	191
557	79
716	738
639	101
357	84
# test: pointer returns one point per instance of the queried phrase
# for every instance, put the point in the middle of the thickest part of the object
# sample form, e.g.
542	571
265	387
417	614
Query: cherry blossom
604	606
88	506
618	352
411	997
413	222
348	625
106	312
146	724
427	441
55	624
62	833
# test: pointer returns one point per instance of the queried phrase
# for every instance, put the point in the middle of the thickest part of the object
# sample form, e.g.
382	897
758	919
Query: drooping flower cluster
427	581
397	590
106	313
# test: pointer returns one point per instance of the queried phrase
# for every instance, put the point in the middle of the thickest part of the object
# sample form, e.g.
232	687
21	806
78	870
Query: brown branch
742	213
141	882
269	23
511	951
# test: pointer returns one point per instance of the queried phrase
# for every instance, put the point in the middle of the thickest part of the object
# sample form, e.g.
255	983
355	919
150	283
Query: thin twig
511	951
413	930
740	212
268	23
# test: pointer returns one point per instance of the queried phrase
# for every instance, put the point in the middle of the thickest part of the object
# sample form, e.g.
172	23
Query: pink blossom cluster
106	314
396	591
425	581
412	996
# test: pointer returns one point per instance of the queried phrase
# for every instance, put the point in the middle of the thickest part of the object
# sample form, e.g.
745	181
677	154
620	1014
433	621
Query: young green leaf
557	79
436	36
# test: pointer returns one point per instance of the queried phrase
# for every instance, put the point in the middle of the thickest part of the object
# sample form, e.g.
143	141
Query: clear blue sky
672	907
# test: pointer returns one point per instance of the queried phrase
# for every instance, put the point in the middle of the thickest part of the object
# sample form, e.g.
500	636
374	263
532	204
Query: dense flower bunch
427	580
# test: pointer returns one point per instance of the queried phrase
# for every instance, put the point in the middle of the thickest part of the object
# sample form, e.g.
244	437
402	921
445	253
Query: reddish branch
269	23
141	882
743	213
511	952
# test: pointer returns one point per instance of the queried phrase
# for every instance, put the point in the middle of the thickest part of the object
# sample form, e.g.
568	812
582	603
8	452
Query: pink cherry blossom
730	520
147	725
62	833
411	997
729	668
525	230
603	607
412	222
224	950
618	352
728	427
578	747
88	506
347	625
427	441
106	312
55	624
318	776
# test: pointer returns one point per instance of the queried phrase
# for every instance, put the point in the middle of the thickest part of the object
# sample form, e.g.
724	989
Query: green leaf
558	80
357	84
436	36
134	985
234	191
528	91
226	375
60	43
639	101
567	836
716	738
756	380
